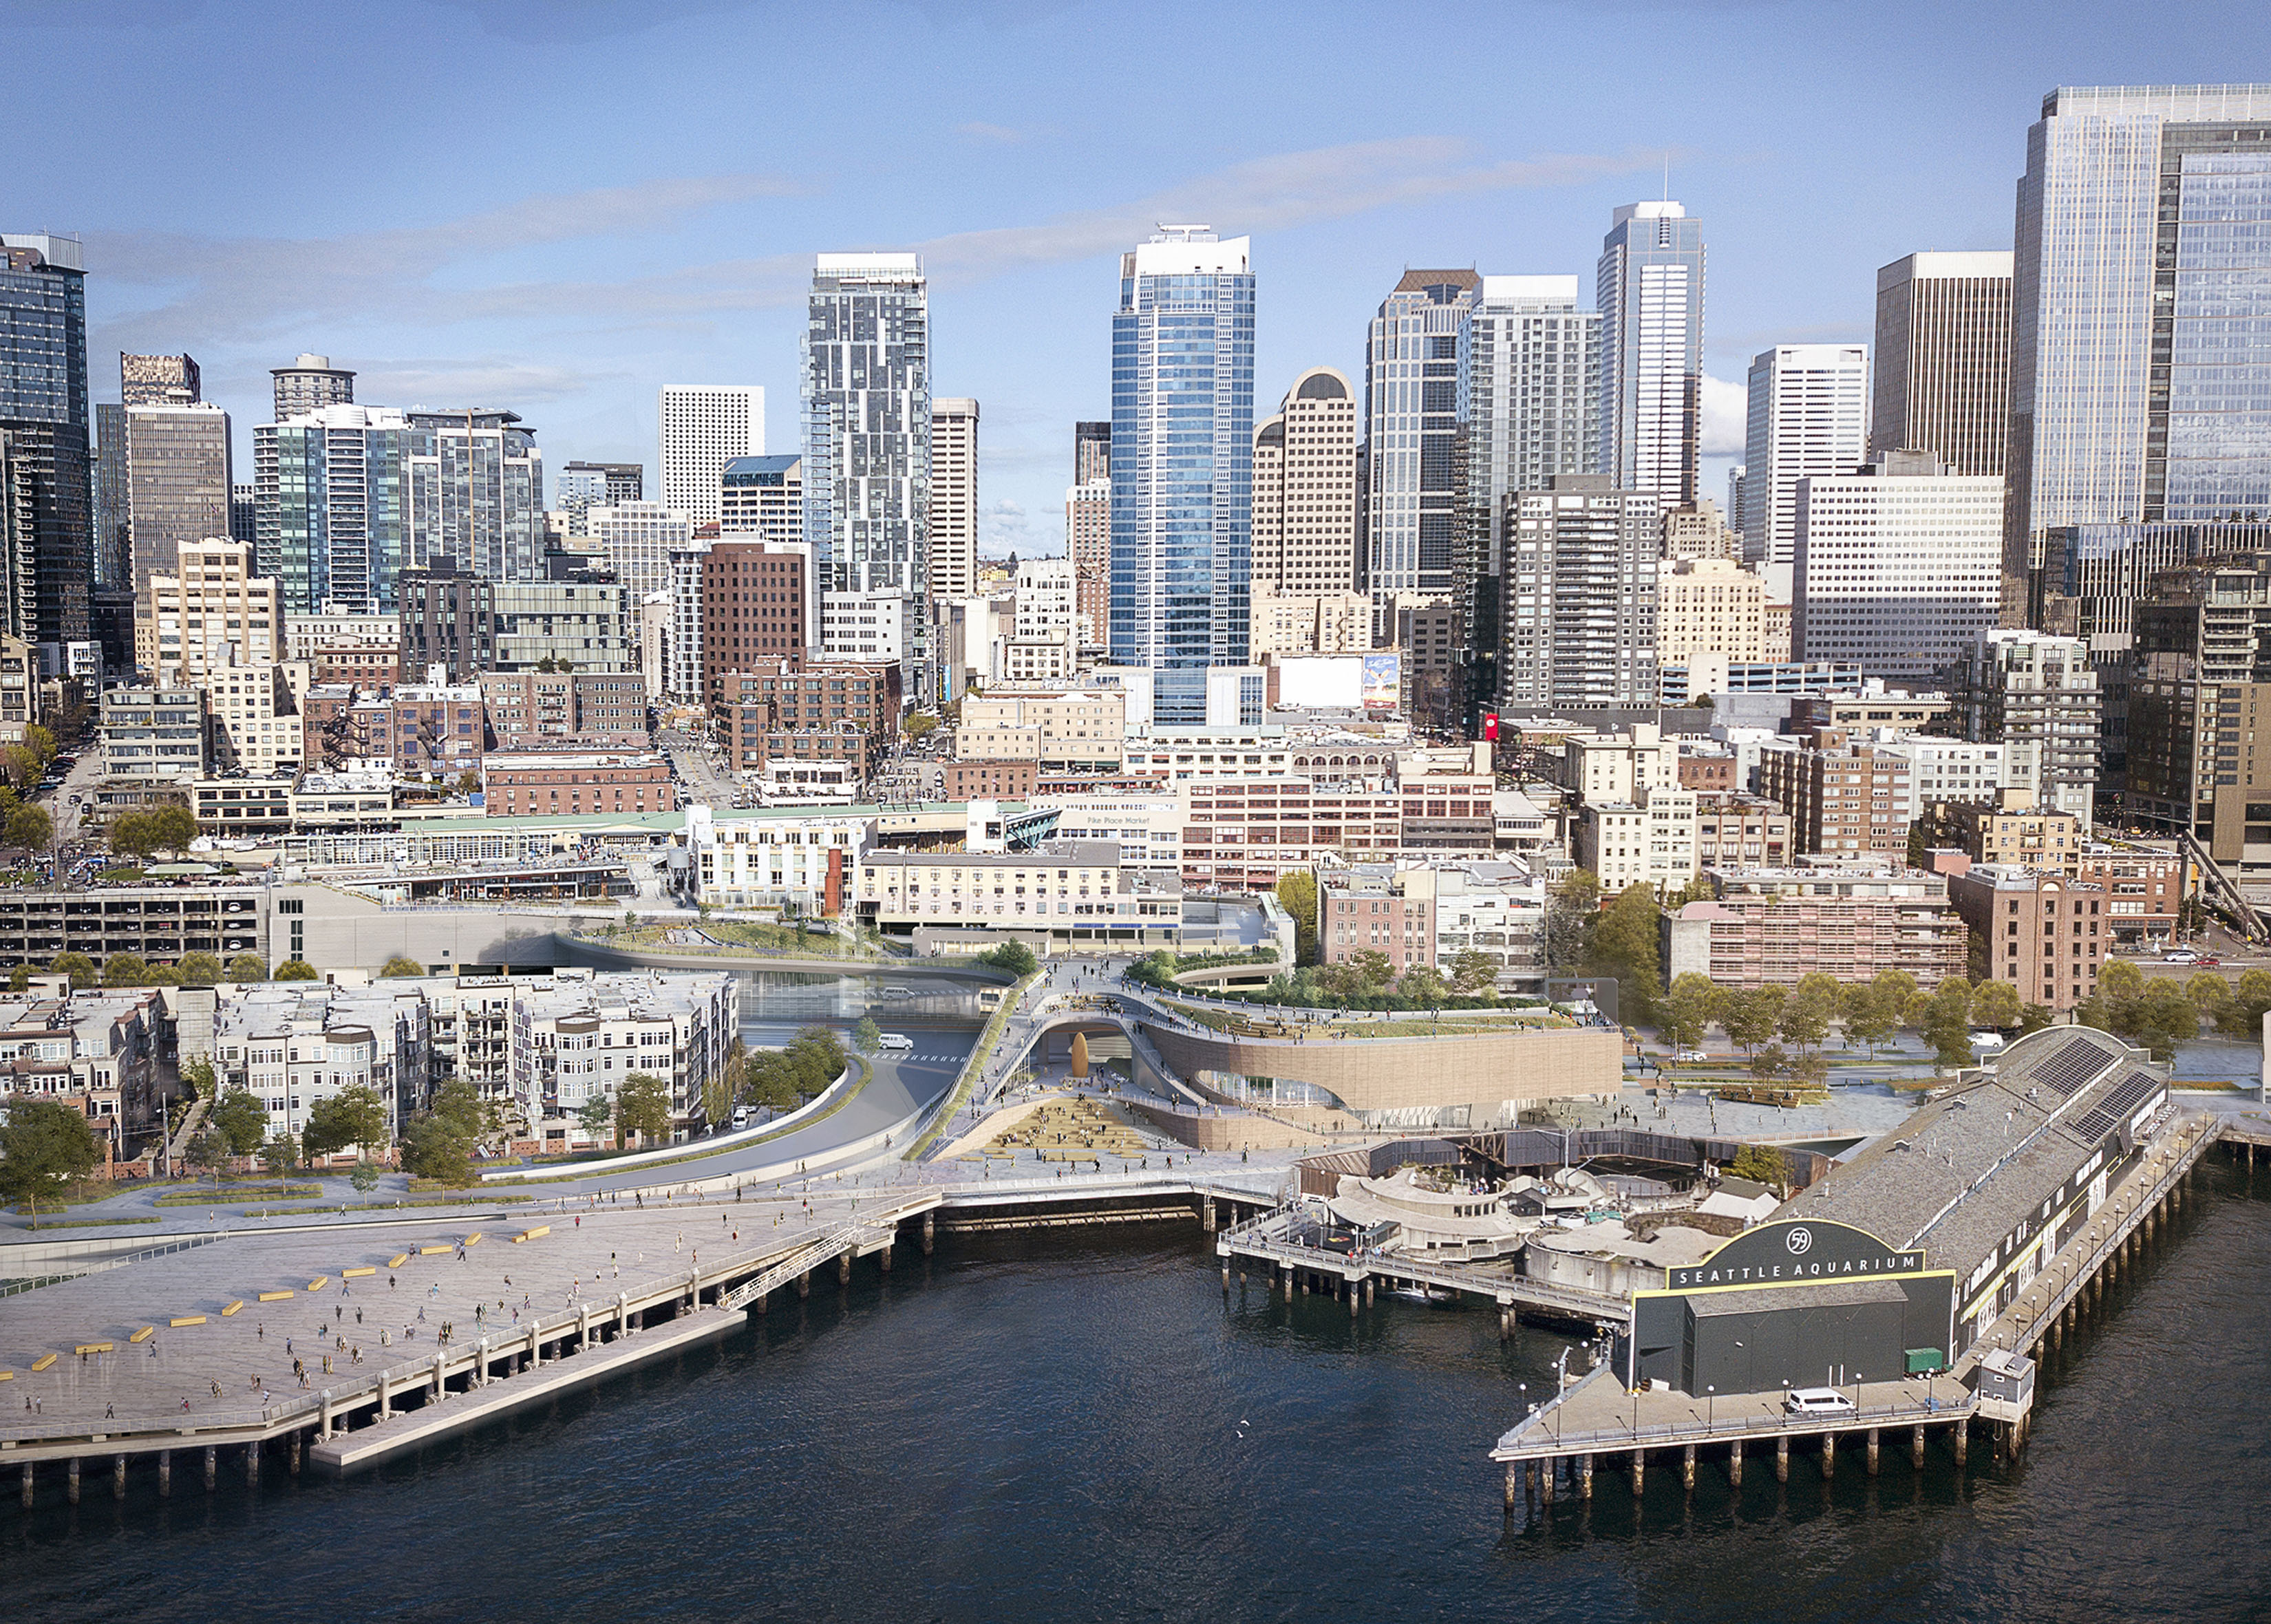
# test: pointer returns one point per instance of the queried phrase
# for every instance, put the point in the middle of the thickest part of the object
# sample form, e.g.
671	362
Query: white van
895	1040
1817	1401
740	1117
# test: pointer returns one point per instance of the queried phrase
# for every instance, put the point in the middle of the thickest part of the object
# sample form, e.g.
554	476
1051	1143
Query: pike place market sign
1795	1250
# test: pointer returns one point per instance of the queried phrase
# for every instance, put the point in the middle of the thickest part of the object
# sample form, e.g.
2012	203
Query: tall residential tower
704	426
1650	297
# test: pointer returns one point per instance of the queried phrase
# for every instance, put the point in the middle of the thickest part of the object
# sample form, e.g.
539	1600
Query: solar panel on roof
2111	1111
2071	1068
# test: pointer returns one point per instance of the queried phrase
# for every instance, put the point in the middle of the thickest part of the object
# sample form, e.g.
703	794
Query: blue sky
558	205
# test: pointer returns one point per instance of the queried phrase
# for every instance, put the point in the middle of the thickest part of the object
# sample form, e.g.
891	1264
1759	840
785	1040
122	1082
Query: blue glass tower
1182	464
46	538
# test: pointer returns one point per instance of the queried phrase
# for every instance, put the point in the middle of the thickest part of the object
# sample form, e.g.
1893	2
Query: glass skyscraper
44	413
2141	383
1410	440
1182	463
867	423
1651	295
476	493
331	506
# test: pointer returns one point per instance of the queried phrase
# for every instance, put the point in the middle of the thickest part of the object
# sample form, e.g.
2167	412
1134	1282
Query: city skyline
456	288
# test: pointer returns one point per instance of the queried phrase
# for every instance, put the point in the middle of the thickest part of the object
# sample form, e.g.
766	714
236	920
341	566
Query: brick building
1741	831
547	783
1772	926
757	610
1242	835
994	780
800	698
1844	800
2017	830
371	666
1360	913
2043	934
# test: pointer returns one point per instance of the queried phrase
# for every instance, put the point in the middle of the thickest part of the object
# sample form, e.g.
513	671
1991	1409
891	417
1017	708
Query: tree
125	970
1012	956
1571	912
1750	1014
246	967
240	1119
353	1116
280	1154
297	970
1761	1163
1870	1014
1296	894
364	1177
197	1076
41	742
2034	1017
866	1037
45	1145
134	835
1947	1023
78	966
1373	968
1690	1010
1808	1011
199	969
2121	979
2162	1018
1472	972
1770	1063
1423	987
458	1105
1897	988
917	723
432	1149
2242	1015
2209	992
1996	1004
399	965
29	826
19	979
596	1113
209	1149
644	1103
1625	945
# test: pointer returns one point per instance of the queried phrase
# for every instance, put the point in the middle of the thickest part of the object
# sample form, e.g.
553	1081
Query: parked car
2180	956
1690	1057
895	1040
1817	1401
2207	961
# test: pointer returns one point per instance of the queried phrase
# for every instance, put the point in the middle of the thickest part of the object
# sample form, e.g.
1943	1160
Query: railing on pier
1397	1265
808	1257
1539	1434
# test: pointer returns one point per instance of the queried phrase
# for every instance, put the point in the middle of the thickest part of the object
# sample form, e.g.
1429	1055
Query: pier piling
1639	1471
1916	1449
1546	1479
27	1485
1873	1452
804	1284
1584	1476
1962	1440
1687	1467
165	1474
291	1453
118	1476
1513	1483
1735	1465
929	1232
843	1268
1828	1456
74	1479
252	1464
212	1466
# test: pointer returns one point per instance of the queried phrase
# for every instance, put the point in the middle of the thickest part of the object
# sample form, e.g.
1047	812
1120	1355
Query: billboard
1383	681
1321	682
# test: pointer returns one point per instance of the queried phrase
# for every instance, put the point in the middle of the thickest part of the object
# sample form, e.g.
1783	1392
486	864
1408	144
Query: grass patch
974	1067
2214	1085
86	1223
234	1193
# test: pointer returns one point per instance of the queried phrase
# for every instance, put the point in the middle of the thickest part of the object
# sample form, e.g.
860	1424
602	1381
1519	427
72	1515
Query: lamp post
1710	1408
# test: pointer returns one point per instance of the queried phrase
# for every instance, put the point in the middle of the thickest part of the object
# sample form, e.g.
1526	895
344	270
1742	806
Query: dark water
1050	1428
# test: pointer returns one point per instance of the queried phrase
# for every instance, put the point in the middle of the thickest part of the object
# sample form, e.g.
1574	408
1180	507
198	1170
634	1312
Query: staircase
807	1257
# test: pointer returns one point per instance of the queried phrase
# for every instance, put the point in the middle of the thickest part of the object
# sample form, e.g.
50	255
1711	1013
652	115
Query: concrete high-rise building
1304	493
2028	689
1410	441
211	609
1088	541
160	380
1709	605
177	481
637	539
1182	463
579	486
113	551
1809	414
2140	386
704	426
477	494
1697	530
867	423
1943	376
310	384
1651	296
1530	410
1897	565
762	496
331	501
45	416
1737	494
1579	613
1091	452
953	498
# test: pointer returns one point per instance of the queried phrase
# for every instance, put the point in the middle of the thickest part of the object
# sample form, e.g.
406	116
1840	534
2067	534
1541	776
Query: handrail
796	1263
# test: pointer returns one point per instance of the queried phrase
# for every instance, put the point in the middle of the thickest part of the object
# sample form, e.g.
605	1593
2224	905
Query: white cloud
1726	417
485	380
1004	528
